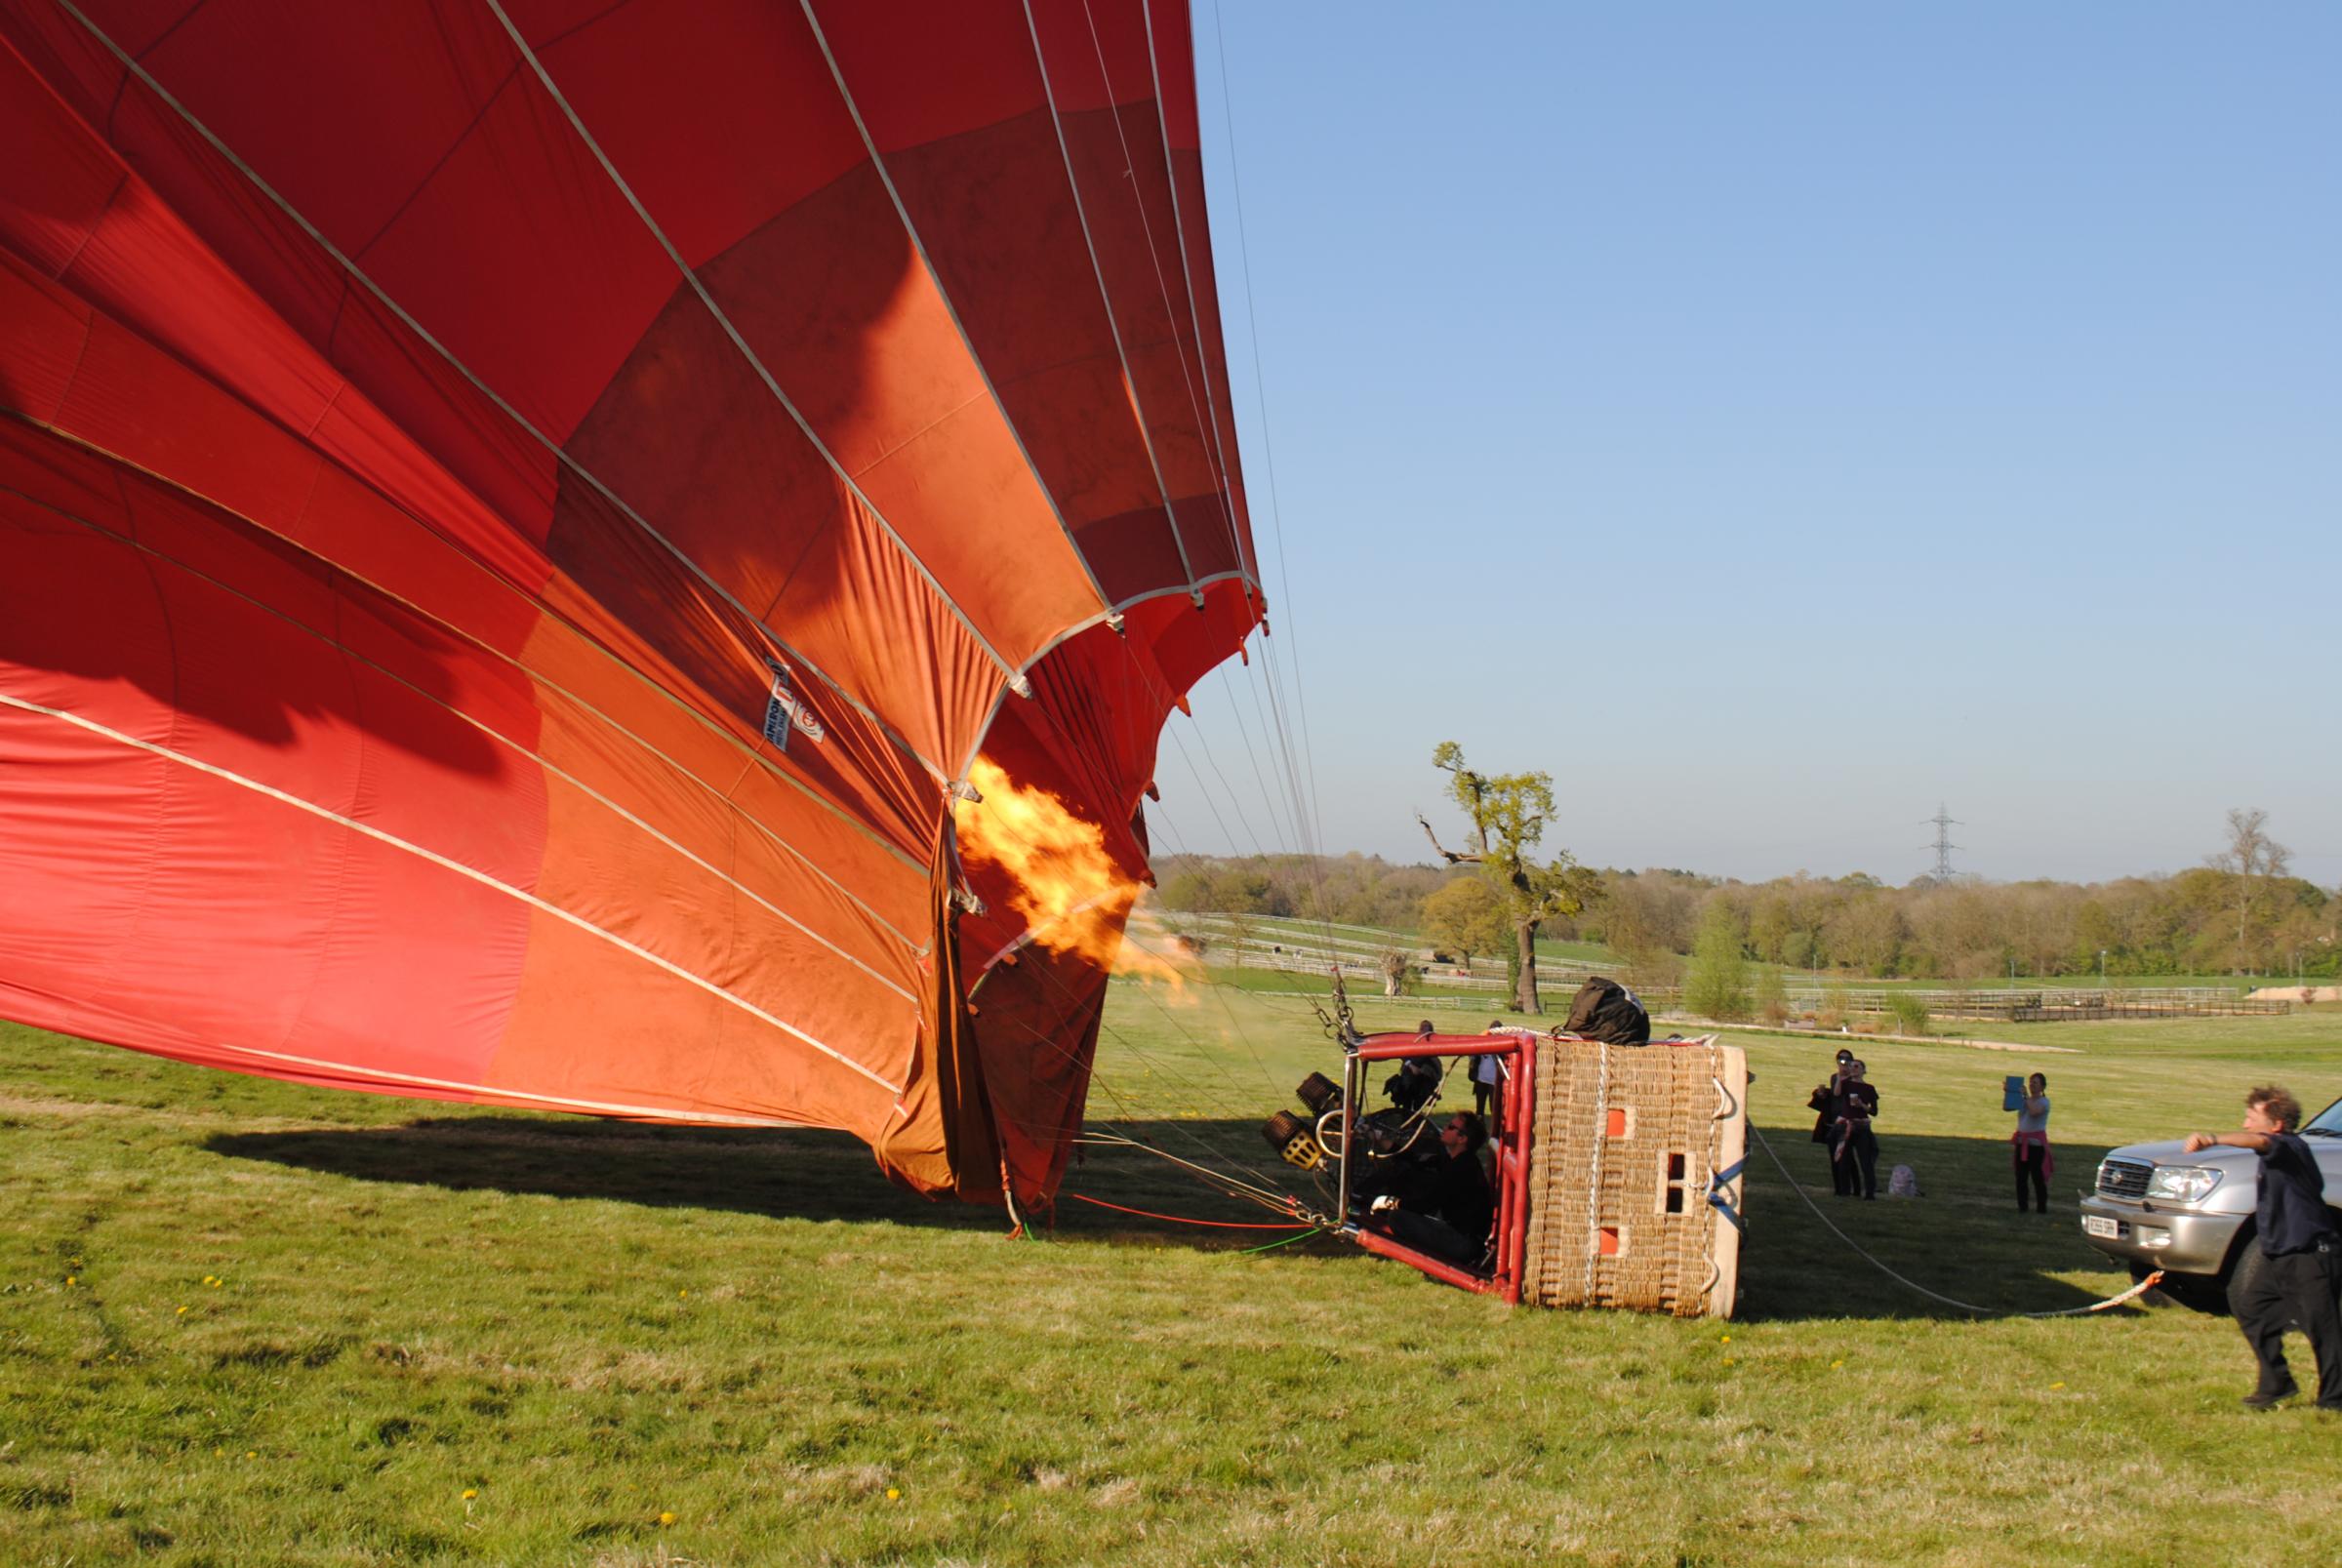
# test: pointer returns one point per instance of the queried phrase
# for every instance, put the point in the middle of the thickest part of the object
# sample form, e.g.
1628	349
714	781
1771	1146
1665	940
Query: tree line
2242	913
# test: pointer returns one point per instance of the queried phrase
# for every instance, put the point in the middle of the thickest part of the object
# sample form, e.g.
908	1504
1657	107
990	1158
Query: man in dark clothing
1460	1186
1444	1205
1417	1079
2301	1265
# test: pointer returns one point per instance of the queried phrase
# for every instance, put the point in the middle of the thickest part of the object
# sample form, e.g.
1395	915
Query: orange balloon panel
516	517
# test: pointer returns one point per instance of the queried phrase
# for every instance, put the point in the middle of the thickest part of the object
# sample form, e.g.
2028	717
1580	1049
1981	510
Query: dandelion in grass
182	1312
251	1453
666	1518
2057	1385
470	1492
894	1493
70	1279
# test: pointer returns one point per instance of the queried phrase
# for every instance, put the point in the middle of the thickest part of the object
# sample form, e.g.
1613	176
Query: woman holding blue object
2030	1143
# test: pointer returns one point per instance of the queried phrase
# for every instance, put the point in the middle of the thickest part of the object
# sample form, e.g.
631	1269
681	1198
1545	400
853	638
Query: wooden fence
2071	1004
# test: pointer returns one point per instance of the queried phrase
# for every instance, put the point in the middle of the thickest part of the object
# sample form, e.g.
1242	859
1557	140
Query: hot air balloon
521	520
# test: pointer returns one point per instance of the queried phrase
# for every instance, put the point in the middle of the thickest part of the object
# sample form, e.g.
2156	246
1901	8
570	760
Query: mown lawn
243	1323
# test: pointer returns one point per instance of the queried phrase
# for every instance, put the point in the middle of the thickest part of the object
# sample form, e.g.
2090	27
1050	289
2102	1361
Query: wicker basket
1634	1177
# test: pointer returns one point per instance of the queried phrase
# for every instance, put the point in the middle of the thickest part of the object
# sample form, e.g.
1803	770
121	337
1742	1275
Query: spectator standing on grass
1416	1081
2301	1252
1824	1096
1488	1086
1853	1147
2030	1143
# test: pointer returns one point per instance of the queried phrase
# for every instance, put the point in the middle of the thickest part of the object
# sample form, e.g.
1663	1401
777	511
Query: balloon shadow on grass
800	1174
1964	1238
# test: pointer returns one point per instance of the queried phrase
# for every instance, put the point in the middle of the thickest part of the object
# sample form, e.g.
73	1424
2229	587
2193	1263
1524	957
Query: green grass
590	1324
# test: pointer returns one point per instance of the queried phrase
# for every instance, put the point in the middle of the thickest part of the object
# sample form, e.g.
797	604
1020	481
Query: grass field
242	1322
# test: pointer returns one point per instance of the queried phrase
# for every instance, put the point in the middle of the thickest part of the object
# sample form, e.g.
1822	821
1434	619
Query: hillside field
243	1322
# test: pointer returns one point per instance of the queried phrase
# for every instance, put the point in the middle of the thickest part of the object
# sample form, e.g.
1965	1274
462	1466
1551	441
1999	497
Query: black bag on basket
1606	1011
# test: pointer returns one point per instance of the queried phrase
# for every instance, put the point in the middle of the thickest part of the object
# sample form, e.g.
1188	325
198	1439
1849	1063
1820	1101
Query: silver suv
2190	1215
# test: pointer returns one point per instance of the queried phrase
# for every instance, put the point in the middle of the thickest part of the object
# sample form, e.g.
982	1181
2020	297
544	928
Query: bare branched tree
2251	859
1400	973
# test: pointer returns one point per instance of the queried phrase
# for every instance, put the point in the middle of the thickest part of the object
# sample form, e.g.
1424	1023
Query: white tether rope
2139	1289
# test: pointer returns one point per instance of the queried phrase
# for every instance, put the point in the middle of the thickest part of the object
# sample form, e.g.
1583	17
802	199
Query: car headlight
2183	1184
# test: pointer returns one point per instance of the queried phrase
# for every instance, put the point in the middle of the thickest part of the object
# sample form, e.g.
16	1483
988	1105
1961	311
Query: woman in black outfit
1855	1146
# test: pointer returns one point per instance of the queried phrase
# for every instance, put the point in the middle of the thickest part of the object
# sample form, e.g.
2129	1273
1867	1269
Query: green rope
1287	1242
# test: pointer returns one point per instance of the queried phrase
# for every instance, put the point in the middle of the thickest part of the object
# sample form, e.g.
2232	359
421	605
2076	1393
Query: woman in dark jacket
1821	1103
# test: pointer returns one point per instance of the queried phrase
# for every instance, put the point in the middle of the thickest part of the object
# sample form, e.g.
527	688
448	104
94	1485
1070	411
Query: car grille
2121	1178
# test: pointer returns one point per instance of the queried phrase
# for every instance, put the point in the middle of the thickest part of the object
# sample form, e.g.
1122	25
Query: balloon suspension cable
1339	1024
1181	1219
1235	1187
1128	1114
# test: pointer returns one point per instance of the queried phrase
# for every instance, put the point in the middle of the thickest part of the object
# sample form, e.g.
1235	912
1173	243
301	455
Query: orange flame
1072	896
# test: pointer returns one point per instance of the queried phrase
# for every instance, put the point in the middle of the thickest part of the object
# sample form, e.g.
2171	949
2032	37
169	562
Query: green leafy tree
1908	1012
1464	917
1188	892
1716	984
1508	814
1240	890
1769	925
1771	996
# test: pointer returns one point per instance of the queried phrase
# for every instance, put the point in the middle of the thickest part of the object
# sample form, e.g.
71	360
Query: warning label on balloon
783	711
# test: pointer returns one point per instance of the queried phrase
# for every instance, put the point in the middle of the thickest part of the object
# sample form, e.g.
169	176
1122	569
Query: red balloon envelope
517	515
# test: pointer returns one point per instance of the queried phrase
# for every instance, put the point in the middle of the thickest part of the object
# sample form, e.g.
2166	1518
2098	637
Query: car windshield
2327	1124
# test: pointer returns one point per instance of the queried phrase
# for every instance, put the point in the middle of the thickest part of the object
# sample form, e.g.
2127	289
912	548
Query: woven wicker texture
1626	1140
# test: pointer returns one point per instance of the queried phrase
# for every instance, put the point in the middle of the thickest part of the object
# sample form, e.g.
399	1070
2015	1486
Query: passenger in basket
1460	1189
1445	1207
2031	1143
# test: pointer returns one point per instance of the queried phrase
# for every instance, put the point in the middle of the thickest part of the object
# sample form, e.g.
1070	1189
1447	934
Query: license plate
2098	1224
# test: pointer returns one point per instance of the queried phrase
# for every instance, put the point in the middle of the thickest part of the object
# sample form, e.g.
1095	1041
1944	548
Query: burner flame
1072	896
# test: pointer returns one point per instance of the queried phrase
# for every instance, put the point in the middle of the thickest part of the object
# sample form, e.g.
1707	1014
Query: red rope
1181	1219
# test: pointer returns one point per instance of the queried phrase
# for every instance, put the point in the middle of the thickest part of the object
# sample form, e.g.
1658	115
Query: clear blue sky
1773	420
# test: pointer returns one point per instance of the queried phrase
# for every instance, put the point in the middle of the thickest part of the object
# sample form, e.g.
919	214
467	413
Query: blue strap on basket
1716	1195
